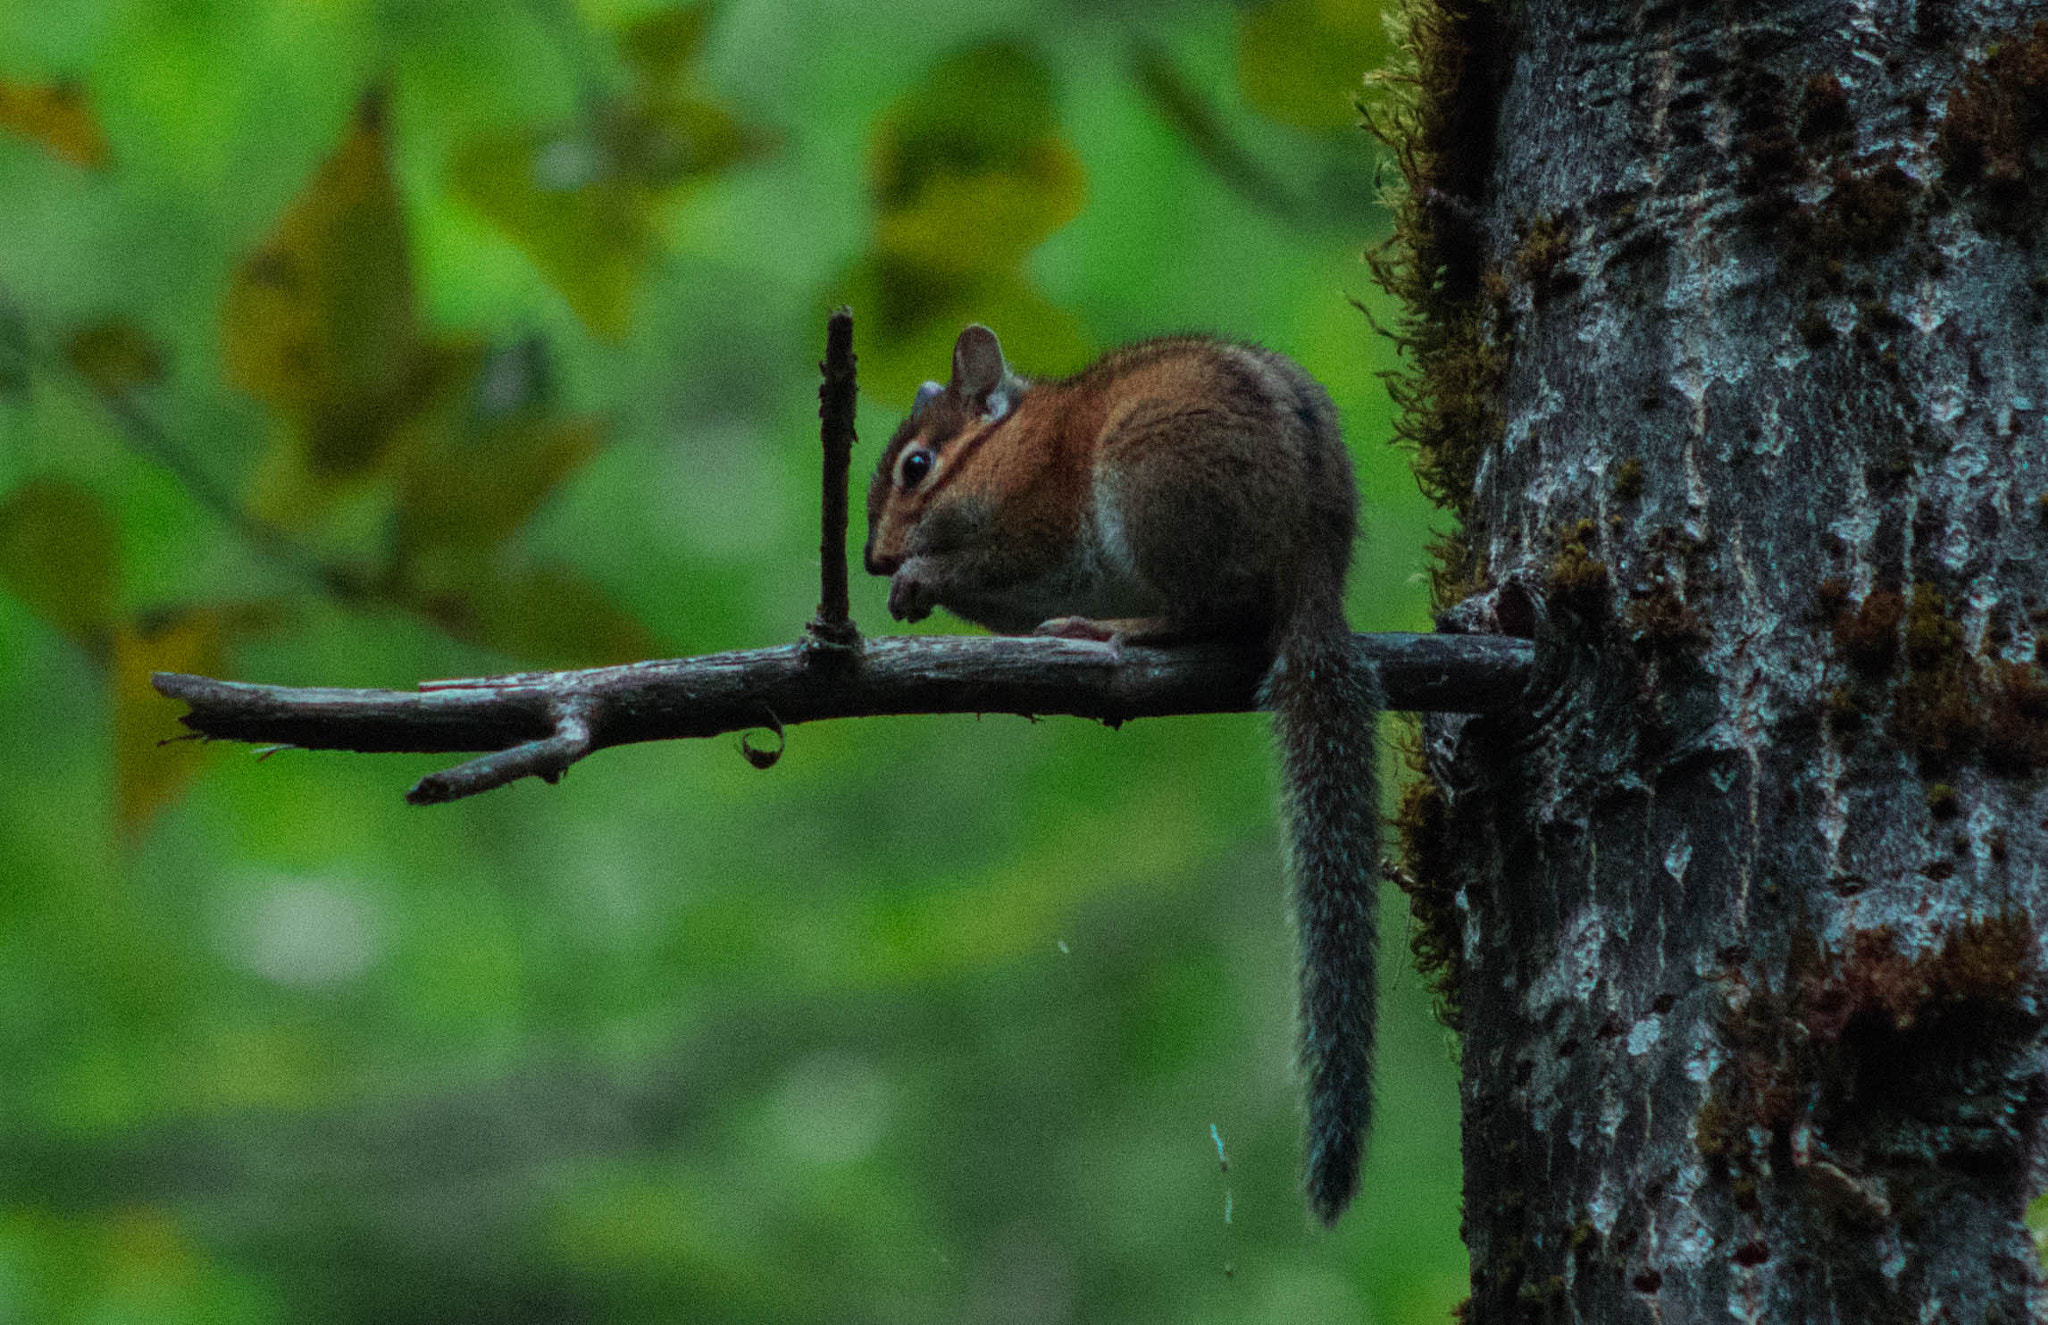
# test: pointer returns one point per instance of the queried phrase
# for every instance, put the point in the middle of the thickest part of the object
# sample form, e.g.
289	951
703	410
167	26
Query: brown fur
1182	488
1221	460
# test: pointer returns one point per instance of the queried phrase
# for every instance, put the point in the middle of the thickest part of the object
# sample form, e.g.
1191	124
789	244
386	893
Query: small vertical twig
832	628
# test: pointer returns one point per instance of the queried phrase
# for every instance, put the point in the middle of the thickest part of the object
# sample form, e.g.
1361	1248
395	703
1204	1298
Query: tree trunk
1730	360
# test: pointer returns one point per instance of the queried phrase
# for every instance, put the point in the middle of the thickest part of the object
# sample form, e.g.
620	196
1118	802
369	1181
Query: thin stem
832	626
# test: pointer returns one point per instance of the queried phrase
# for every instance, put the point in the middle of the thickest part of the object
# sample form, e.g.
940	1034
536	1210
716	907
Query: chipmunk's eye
916	465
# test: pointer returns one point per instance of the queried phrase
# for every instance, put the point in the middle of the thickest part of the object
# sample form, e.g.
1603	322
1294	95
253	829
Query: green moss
1767	156
1875	317
1933	638
1628	479
1831	598
1845	711
1436	114
1429	856
1935	712
1714	1129
1914	1060
1989	960
1659	620
1544	244
1949	706
1942	801
1578	579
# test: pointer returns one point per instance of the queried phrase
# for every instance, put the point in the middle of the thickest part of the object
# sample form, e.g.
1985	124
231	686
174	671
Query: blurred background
356	342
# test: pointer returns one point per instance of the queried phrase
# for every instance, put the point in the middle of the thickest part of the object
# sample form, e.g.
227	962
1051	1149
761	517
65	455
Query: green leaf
992	218
60	553
1303	62
980	110
971	172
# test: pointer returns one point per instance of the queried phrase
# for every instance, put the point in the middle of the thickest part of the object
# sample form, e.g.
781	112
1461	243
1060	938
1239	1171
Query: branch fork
536	724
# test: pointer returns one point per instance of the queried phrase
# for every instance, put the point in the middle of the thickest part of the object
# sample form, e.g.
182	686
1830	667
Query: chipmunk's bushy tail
1326	706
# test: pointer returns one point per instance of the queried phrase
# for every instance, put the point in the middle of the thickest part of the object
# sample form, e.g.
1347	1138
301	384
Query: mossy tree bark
1731	360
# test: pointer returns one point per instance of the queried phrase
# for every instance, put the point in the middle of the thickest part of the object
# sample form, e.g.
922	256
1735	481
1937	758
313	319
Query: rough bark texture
1743	923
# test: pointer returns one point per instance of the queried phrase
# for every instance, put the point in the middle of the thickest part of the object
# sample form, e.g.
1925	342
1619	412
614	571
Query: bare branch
541	722
546	759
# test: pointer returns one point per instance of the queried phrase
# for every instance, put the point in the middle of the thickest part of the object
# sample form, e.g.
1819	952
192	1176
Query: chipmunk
1179	489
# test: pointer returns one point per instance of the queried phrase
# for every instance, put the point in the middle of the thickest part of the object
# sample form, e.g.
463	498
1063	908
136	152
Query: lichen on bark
1725	354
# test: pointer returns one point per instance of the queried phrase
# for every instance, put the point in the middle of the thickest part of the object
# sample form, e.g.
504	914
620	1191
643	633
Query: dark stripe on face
956	454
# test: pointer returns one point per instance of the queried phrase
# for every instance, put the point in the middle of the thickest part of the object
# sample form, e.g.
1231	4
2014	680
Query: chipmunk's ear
980	377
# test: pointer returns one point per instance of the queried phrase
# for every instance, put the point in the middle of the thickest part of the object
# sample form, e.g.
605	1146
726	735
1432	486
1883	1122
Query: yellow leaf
319	321
916	313
1303	62
297	487
664	143
581	199
56	116
970	169
660	45
561	197
982	110
149	774
115	355
473	492
60	553
547	615
993	219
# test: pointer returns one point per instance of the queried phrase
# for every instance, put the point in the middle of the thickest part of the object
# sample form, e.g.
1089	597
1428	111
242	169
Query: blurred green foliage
359	343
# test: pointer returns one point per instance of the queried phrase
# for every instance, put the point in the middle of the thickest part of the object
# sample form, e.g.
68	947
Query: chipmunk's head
913	483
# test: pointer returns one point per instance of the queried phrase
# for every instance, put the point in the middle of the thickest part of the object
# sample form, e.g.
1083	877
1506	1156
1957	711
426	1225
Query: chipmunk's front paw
912	595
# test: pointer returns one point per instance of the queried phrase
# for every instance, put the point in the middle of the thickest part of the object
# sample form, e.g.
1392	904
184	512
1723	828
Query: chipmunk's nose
878	565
